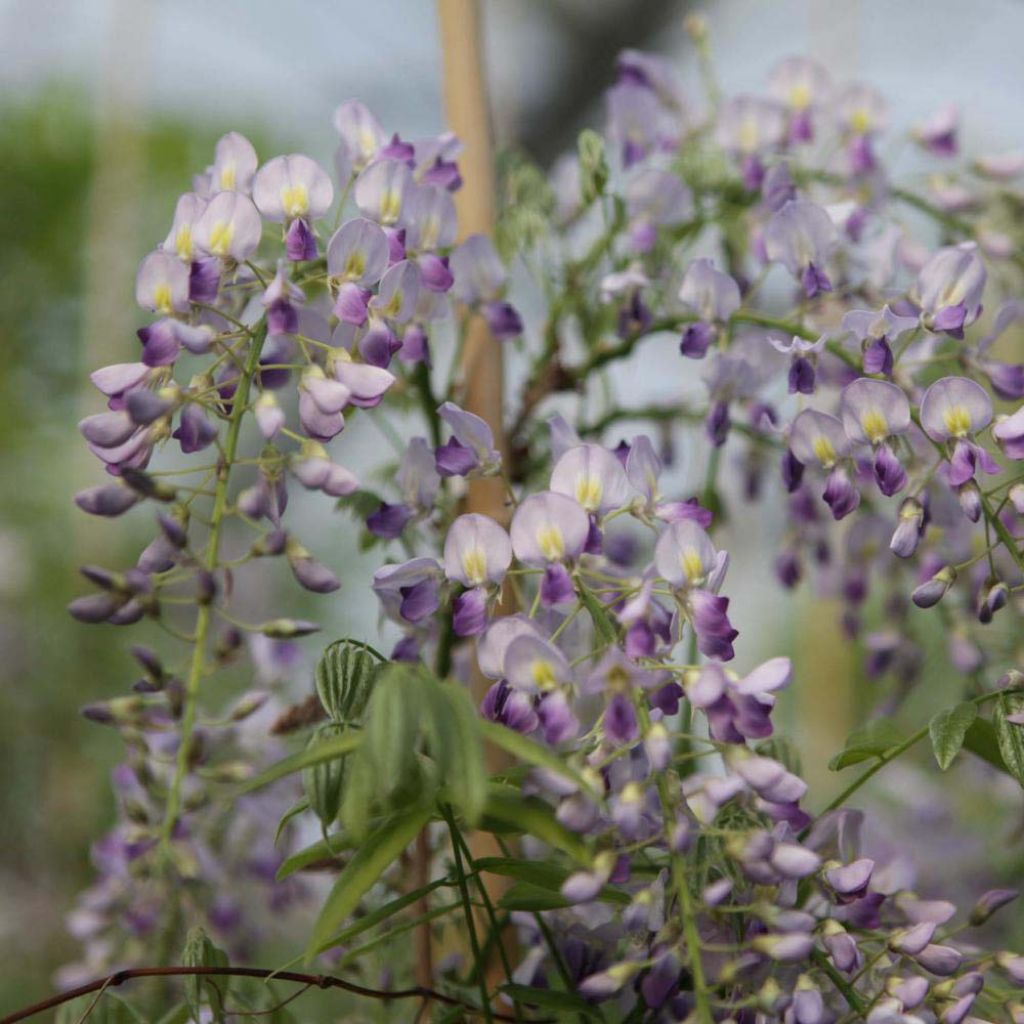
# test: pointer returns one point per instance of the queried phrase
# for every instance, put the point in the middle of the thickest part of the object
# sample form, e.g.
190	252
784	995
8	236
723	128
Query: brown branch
323	981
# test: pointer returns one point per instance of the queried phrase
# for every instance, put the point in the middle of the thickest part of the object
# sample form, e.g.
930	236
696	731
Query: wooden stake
468	115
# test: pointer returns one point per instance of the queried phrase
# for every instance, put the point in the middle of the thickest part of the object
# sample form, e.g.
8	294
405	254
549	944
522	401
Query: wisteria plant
544	792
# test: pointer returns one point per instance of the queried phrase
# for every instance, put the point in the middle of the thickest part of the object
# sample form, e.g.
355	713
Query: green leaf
292	812
948	730
540	874
323	849
871	740
550	999
369	862
528	898
981	741
464	774
524	749
389	909
603	625
530	814
1009	736
326	751
199	951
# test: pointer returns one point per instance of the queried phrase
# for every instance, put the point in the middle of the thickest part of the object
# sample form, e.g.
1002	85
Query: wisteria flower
938	132
686	558
229	228
802	237
949	289
861	113
802	353
802	85
361	133
381	190
655	199
876	332
477	552
294	190
749	126
593	476
550	529
234	164
953	411
818	438
471	449
873	411
162	284
480	280
714	296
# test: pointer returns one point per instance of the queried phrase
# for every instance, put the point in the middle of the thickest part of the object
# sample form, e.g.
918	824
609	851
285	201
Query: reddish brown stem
323	981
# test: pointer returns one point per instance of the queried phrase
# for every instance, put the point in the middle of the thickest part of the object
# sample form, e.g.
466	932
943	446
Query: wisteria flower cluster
650	850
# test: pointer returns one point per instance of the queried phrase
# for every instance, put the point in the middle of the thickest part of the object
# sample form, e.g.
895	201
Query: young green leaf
529	814
322	782
551	999
339	746
345	677
530	751
948	730
1010	736
368	863
871	740
199	951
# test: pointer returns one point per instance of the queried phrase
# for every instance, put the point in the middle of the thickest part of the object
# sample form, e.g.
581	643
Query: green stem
890	755
853	1000
239	404
687	913
485	896
467	906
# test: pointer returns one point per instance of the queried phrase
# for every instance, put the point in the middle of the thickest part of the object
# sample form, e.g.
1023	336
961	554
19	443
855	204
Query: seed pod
322	782
345	676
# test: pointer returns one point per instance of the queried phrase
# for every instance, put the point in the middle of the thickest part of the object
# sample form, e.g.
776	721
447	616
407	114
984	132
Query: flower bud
909	529
287	629
658	747
106	500
1016	496
989	903
909	991
786	949
932	591
941	960
146	485
969	497
994	598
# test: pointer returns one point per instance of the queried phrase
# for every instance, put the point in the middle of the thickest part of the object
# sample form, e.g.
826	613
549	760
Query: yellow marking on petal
390	206
367	143
474	565
689	559
355	265
162	298
543	674
183	242
394	306
874	425
227	177
295	200
823	451
747	136
429	231
860	121
588	491
551	542
800	96
220	237
957	420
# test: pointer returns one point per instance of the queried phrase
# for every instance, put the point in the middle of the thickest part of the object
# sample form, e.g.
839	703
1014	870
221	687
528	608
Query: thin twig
323	981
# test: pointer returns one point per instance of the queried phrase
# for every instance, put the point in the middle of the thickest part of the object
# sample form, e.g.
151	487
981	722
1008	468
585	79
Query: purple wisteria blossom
714	296
802	237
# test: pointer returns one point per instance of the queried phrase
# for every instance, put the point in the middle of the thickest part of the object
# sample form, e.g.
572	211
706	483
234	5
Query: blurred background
107	107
